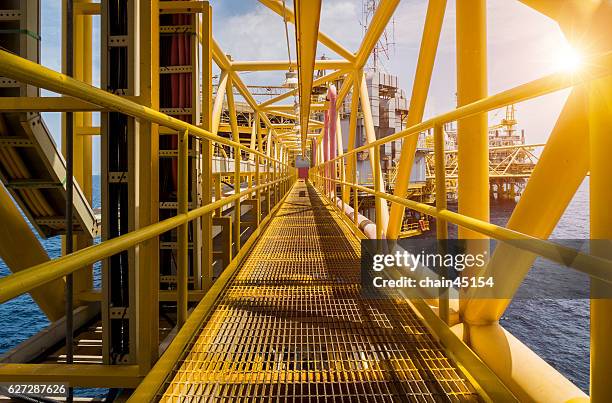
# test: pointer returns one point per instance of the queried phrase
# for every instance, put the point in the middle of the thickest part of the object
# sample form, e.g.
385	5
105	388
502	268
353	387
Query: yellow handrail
29	72
23	281
32	73
593	266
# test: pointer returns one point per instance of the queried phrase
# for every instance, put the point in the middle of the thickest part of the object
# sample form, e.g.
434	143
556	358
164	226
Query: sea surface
556	329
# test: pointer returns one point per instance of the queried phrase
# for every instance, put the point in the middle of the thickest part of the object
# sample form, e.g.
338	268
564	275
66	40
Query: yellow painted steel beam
351	162
277	7
47	104
382	217
307	15
441	225
79	375
472	132
254	131
217	108
225	64
583	22
236	137
598	66
549	190
311	122
347	85
20	249
420	89
379	22
82	145
334	75
32	73
147	270
268	65
600	141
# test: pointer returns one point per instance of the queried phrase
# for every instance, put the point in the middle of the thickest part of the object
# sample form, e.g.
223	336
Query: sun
569	59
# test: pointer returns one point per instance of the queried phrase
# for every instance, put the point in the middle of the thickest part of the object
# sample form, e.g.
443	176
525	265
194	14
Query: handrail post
268	187
441	224
182	270
257	192
343	178
355	183
378	201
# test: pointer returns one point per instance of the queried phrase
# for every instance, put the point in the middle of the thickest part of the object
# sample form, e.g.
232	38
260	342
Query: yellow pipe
420	89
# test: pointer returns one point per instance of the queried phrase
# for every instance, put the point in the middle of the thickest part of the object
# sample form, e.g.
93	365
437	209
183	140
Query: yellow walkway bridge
293	324
224	276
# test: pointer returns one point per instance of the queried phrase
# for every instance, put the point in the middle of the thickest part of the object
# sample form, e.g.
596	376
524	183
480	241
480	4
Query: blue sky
523	45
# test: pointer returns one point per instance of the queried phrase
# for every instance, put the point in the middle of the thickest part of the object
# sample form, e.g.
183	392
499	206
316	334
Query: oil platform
230	223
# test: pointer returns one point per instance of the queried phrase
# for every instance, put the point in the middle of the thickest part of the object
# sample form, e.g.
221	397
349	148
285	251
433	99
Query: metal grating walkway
292	325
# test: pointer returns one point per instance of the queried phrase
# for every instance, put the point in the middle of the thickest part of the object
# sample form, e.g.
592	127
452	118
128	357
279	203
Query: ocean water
556	329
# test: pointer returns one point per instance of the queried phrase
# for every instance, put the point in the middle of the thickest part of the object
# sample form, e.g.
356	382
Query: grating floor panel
293	326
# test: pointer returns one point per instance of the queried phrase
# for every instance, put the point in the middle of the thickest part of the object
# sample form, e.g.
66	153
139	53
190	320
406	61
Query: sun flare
569	59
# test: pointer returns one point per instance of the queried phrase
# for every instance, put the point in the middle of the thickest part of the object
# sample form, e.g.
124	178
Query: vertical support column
182	271
351	163
441	224
268	170
82	145
235	137
120	177
355	206
147	275
382	220
420	89
206	146
194	163
258	162
600	121
473	136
